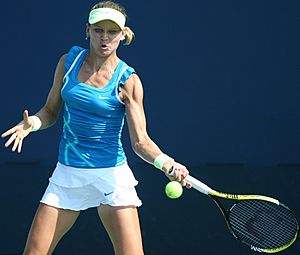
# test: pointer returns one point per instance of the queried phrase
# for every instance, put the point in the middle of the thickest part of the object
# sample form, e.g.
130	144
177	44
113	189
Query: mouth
104	46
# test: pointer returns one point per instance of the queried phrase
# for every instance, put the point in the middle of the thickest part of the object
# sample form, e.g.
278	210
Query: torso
91	104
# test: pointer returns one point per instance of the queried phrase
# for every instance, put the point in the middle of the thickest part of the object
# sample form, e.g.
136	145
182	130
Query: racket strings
259	230
255	238
268	224
263	224
258	237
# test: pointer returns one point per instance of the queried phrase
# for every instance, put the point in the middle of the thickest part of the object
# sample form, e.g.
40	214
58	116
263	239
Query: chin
102	53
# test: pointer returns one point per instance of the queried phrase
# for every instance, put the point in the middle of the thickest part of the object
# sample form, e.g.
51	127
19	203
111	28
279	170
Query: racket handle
196	184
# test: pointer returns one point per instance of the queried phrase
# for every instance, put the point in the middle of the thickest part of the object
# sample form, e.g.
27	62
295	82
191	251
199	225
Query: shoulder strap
72	54
124	74
73	64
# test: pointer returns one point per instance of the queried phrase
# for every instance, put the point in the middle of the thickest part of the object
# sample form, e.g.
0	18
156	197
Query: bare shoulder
59	72
63	57
62	60
60	68
132	82
132	89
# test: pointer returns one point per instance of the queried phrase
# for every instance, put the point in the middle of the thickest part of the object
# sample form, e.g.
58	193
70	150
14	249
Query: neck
97	62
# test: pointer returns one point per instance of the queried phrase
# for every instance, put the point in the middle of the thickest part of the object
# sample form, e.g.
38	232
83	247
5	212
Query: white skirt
80	188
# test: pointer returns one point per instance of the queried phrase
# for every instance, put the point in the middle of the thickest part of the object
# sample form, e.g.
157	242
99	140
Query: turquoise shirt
93	117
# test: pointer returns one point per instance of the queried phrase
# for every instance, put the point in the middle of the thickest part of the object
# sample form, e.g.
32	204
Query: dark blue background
221	78
221	81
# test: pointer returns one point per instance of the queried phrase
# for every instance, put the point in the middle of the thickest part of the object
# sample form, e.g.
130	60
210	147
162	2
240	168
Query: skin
121	223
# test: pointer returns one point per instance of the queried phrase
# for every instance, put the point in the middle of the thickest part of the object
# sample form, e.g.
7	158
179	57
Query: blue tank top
93	118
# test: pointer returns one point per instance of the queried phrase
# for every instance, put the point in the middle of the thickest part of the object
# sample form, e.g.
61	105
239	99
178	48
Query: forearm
47	117
149	151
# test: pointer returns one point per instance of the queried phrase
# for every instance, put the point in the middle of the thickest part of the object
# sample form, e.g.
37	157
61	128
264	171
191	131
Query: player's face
105	37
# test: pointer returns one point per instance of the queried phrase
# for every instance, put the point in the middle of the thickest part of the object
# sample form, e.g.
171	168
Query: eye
113	31
98	30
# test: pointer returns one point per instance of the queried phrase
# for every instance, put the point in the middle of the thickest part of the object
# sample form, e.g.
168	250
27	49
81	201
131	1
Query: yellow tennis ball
173	189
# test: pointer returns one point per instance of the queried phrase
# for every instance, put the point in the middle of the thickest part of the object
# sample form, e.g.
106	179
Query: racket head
263	225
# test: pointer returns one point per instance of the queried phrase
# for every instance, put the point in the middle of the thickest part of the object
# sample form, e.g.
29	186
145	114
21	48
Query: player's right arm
48	114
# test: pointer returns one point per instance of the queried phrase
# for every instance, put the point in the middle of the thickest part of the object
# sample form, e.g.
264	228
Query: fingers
10	140
14	129
18	142
9	132
188	185
26	120
20	146
178	173
18	133
26	116
16	139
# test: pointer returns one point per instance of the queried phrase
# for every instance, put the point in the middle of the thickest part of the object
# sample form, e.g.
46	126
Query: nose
104	35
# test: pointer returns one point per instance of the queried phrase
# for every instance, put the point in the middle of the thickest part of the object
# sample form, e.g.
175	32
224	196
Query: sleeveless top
93	118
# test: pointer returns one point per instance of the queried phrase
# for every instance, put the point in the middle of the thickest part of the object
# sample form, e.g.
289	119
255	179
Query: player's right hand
18	133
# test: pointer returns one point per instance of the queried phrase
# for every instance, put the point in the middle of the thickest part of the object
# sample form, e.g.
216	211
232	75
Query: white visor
100	14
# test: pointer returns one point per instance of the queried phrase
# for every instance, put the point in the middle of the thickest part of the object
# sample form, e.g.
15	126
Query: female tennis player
96	90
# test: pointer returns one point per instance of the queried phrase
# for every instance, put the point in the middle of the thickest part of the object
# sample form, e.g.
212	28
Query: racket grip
196	184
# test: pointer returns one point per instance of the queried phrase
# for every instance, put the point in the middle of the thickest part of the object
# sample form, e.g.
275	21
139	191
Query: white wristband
160	160
36	123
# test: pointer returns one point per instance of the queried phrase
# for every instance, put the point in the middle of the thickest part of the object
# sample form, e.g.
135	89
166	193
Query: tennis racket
262	223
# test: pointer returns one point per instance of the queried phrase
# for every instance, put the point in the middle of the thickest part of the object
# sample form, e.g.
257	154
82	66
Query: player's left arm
132	95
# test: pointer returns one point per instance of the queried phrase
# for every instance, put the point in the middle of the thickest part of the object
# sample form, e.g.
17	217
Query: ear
87	29
123	34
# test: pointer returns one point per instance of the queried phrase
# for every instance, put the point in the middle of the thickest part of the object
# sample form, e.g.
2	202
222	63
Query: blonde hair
129	35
